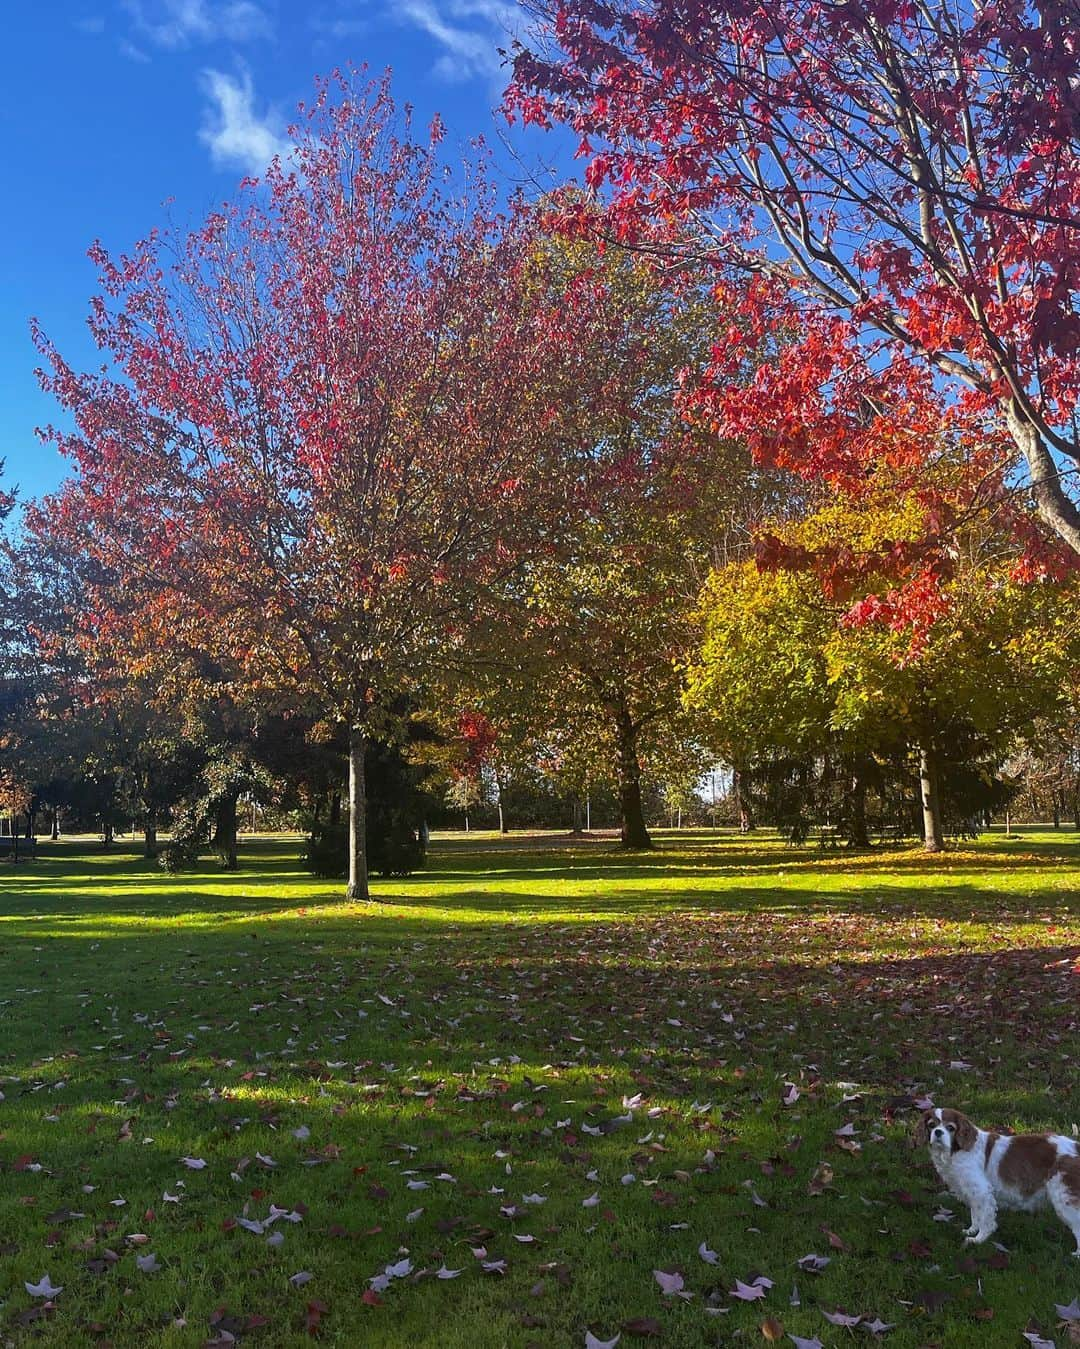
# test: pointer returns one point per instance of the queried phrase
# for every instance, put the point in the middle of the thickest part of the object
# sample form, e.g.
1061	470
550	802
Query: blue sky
114	108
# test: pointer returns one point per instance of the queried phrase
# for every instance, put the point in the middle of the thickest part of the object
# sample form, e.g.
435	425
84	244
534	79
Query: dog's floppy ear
966	1133
922	1131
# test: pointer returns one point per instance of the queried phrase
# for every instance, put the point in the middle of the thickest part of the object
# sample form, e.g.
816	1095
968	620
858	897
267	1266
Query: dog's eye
951	1128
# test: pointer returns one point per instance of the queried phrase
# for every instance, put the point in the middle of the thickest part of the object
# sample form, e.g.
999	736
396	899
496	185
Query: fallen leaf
44	1288
644	1328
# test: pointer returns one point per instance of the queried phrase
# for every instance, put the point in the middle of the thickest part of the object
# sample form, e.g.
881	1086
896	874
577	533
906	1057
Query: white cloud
338	28
235	134
470	32
179	23
132	52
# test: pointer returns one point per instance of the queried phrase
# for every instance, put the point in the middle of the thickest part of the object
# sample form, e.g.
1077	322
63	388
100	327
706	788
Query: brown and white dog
989	1171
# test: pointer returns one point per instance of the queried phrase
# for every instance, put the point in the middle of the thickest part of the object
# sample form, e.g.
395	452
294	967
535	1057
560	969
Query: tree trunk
576	827
225	829
858	834
1056	798
150	837
1052	500
106	834
55	822
634	832
358	874
30	819
930	795
335	809
742	806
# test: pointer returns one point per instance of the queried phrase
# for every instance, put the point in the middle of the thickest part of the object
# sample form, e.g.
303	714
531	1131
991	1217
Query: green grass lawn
439	1082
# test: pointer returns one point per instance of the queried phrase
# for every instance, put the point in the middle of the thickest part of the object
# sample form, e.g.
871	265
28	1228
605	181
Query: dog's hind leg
1063	1189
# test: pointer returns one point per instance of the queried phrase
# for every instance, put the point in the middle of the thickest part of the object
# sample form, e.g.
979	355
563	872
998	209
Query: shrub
394	848
179	854
327	851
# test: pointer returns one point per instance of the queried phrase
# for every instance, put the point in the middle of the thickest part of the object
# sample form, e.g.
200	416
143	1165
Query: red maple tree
893	185
328	420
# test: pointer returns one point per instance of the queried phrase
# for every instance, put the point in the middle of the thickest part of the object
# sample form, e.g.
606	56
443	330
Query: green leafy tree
785	673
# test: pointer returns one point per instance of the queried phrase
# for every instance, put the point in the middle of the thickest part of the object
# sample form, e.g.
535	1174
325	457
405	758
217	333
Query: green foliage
397	807
825	714
179	854
326	852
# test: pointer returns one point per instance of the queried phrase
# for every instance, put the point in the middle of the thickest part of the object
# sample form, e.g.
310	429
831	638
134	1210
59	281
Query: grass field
552	1071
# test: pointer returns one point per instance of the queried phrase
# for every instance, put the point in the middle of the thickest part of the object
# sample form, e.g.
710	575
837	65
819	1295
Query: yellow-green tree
788	664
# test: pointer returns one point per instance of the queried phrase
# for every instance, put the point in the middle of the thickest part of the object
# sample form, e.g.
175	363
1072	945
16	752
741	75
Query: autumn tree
326	421
595	626
790	667
895	183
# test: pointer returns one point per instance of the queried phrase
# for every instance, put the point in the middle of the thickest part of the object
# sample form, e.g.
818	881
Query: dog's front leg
983	1218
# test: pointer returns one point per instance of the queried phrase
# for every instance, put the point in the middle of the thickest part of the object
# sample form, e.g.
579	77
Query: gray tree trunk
358	874
930	795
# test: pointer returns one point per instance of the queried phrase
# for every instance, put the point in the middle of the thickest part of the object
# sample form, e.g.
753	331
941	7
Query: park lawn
407	1080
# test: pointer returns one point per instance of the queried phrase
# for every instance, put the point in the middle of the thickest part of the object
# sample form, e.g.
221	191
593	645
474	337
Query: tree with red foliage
329	420
894	184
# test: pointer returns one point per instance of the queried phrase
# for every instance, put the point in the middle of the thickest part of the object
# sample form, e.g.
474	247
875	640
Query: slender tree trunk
504	828
225	829
107	834
335	808
742	805
30	819
930	795
576	828
634	832
859	833
150	836
358	874
1057	808
55	822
